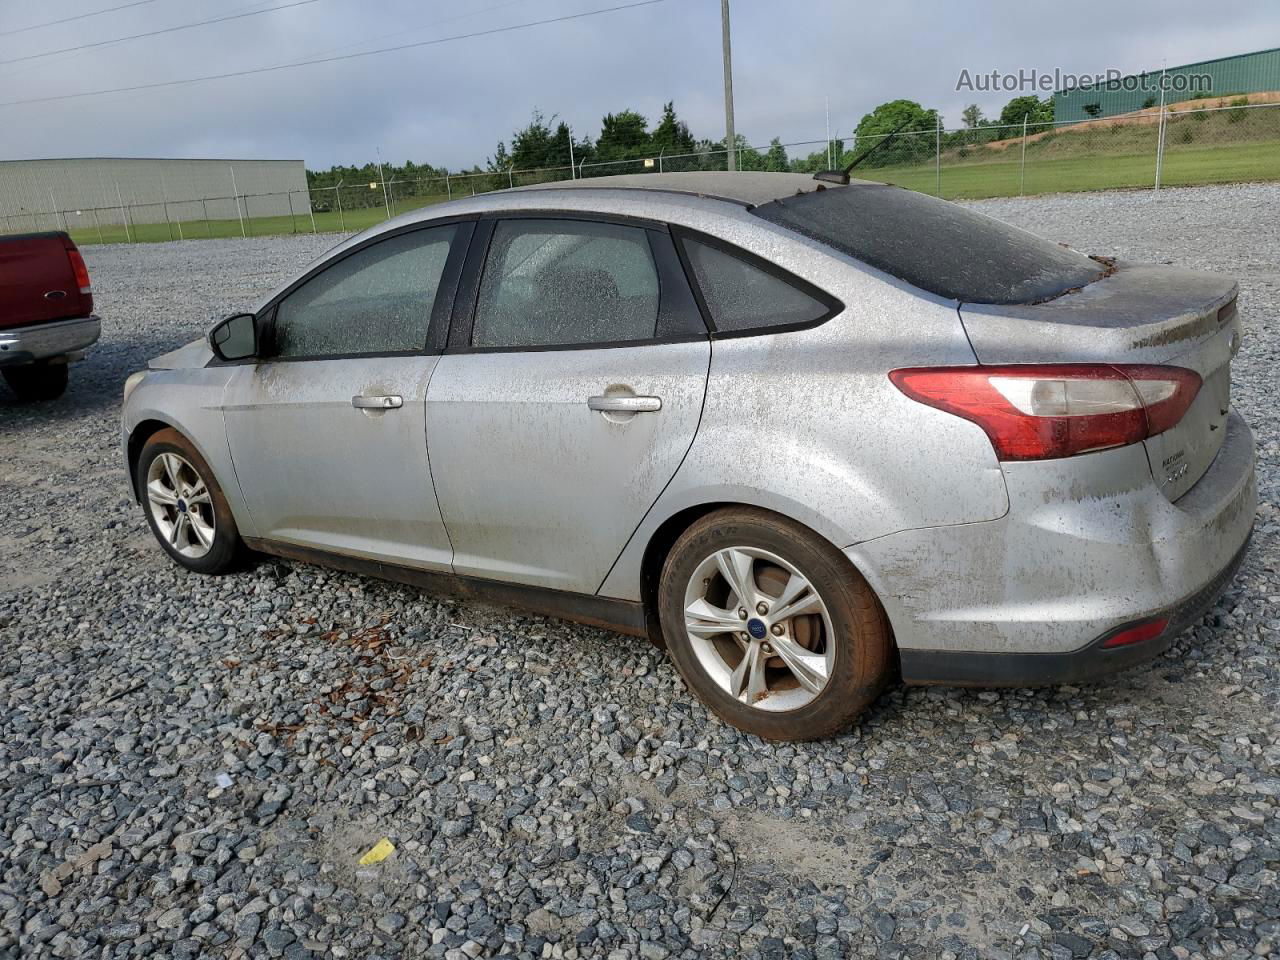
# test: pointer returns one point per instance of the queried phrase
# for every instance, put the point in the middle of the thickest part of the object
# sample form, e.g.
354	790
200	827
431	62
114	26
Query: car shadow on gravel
95	383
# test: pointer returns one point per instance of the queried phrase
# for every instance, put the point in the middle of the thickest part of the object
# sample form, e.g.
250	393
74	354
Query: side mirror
235	338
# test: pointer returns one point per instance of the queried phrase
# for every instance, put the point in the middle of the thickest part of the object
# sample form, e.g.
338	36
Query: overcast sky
451	103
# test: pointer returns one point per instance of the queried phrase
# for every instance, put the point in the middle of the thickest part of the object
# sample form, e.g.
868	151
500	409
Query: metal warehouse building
86	191
1244	73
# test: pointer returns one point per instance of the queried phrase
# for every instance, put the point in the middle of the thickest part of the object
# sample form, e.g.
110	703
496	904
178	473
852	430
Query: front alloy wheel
184	505
181	506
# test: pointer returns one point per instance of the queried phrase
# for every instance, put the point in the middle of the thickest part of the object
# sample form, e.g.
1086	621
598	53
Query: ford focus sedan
807	436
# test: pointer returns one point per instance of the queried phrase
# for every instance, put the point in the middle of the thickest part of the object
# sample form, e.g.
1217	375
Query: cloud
451	103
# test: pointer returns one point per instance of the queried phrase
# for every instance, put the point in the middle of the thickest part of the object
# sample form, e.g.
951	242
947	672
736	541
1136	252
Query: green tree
500	160
972	116
623	136
535	146
671	135
909	145
775	160
887	116
1036	111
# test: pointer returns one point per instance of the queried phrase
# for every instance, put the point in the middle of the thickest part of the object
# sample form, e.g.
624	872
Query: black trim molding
621	616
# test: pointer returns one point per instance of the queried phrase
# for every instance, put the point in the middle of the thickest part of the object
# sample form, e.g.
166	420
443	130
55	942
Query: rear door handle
377	403
625	404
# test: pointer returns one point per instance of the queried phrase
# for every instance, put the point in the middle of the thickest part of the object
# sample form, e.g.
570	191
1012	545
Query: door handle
377	403
625	404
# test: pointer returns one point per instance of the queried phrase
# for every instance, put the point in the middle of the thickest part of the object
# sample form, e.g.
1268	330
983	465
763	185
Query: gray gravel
193	766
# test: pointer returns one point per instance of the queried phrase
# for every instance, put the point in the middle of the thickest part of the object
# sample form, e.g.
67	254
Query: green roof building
1112	94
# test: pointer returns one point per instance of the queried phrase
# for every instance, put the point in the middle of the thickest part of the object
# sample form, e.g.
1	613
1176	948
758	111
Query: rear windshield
933	244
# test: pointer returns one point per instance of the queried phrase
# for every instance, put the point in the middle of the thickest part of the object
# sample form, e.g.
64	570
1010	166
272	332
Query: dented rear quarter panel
1089	543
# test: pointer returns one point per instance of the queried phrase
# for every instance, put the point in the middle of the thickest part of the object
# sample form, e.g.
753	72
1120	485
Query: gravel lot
193	766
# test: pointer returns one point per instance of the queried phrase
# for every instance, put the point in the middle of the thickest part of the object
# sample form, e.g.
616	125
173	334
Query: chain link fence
1185	144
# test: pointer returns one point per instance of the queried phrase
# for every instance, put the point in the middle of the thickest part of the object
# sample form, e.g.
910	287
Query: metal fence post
511	175
937	157
53	206
204	205
1160	128
448	187
1160	134
292	225
337	195
96	225
1022	164
236	196
385	199
124	217
311	209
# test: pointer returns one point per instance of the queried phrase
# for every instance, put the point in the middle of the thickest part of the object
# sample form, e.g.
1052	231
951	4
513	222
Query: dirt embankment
1151	115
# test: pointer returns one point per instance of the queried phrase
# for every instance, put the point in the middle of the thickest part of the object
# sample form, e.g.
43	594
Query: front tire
185	507
34	382
771	626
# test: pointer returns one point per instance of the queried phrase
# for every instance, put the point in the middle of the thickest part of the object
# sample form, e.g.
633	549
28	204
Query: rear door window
564	283
938	246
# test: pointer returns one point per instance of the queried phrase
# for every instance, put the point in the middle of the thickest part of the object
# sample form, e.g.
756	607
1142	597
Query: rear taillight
1043	411
80	270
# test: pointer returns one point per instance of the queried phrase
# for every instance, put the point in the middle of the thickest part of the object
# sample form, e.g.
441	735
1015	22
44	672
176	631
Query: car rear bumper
968	669
1030	598
45	341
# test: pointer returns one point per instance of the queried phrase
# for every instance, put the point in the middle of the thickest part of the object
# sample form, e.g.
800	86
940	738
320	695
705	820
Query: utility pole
572	175
830	164
730	140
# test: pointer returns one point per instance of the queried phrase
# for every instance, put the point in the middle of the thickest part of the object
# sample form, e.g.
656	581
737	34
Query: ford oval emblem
756	627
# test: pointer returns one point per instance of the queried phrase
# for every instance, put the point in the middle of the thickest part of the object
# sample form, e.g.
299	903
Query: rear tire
184	505
802	670
37	381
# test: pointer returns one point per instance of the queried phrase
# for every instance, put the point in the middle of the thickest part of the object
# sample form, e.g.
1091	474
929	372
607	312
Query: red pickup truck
46	313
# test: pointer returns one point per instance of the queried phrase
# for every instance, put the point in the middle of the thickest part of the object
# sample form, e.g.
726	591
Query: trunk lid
37	281
1140	313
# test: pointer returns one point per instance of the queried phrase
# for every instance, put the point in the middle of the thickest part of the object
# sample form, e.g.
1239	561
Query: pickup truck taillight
80	270
1044	411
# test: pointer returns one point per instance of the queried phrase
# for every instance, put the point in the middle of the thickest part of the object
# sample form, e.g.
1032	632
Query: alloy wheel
180	505
759	628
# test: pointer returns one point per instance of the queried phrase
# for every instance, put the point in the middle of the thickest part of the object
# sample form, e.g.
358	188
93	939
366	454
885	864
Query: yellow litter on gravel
378	852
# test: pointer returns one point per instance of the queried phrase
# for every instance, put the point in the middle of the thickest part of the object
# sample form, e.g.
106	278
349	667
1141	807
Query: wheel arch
148	427
664	536
137	439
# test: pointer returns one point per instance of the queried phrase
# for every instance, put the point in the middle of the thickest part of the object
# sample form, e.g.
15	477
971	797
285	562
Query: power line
409	30
81	16
156	33
335	59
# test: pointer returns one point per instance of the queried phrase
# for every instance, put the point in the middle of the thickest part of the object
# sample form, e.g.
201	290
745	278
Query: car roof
748	188
690	199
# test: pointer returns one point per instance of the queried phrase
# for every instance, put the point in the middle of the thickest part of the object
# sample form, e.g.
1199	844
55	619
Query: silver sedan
808	436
